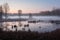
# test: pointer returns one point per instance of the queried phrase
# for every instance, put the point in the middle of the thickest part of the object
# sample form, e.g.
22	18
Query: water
35	17
39	27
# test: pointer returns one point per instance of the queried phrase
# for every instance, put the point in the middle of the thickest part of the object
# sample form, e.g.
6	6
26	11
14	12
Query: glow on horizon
31	6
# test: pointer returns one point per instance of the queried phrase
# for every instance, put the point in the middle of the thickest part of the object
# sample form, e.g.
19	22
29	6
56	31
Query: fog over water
45	26
36	17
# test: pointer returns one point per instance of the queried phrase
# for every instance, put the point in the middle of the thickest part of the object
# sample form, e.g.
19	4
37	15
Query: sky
31	6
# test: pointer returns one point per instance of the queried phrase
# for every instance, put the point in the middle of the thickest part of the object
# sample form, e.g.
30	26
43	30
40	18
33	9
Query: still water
39	27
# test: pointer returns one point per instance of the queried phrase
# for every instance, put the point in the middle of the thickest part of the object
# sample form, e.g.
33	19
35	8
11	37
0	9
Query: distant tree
56	11
20	12
1	9
1	12
6	9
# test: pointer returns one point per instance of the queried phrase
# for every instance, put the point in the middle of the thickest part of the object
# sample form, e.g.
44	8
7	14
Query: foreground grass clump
23	35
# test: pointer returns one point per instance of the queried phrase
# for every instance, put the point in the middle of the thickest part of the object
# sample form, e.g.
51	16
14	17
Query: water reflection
25	26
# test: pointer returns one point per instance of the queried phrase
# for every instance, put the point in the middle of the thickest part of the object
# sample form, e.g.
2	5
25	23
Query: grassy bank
23	35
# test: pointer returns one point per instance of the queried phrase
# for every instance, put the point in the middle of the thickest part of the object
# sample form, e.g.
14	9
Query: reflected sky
39	27
44	26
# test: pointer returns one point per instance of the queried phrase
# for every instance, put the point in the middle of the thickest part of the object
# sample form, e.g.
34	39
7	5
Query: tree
6	9
19	13
1	12
1	9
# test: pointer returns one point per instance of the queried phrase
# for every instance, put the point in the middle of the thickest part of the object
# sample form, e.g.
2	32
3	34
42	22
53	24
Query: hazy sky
28	6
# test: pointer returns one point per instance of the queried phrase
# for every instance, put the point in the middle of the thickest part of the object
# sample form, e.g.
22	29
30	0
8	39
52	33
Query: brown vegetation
23	35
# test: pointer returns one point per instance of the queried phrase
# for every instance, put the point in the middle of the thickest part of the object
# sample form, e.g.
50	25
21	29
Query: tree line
53	12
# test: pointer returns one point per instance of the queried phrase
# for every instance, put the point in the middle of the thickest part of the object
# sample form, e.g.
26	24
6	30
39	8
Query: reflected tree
30	15
15	27
23	29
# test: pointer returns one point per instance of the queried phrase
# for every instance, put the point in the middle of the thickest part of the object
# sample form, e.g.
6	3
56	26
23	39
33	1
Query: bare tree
6	9
19	13
1	12
1	9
